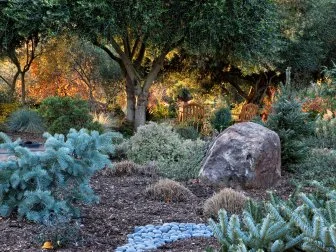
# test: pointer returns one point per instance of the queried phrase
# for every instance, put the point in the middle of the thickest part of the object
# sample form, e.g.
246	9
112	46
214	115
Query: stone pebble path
153	236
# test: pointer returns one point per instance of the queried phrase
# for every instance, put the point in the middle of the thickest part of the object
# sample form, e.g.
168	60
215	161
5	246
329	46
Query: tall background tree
24	26
140	34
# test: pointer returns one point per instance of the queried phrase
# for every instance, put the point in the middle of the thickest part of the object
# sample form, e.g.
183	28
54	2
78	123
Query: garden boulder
245	155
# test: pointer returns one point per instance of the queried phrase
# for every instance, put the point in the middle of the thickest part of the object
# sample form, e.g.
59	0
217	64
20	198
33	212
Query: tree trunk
130	93
23	88
140	110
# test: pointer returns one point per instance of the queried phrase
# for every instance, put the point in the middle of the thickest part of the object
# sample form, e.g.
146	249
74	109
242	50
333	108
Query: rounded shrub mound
25	120
228	199
221	119
175	158
169	191
63	113
154	142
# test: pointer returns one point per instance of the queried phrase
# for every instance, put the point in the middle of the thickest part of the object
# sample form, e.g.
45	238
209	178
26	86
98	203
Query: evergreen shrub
6	109
63	113
292	125
187	132
221	119
24	120
176	158
304	222
319	165
42	185
325	133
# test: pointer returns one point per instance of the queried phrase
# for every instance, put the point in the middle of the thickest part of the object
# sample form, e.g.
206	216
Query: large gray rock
244	155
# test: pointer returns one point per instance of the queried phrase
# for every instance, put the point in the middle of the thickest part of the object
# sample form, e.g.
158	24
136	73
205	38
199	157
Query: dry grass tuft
126	168
169	191
228	199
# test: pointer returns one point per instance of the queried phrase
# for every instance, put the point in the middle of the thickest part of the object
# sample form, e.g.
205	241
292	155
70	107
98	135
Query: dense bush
103	119
187	132
158	112
184	94
176	158
325	133
6	109
292	125
221	119
25	120
40	186
283	225
64	113
319	165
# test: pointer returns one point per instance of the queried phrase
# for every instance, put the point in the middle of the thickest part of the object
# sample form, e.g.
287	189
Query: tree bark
140	110
130	94
23	88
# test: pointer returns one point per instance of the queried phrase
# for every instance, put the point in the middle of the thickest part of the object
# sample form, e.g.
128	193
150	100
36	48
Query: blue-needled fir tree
291	124
39	185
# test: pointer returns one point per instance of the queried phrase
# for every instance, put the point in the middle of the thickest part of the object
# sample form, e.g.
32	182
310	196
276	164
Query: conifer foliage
42	185
284	225
292	125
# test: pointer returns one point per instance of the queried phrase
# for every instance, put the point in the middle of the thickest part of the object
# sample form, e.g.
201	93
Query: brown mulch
124	205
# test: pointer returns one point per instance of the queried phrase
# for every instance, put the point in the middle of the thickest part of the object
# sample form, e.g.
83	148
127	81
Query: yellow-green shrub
6	109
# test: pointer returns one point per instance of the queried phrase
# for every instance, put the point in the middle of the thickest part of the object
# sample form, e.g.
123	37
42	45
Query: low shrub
228	199
319	165
41	186
126	128
103	119
158	112
188	164
28	121
187	132
325	133
61	232
6	109
176	158
63	113
169	191
221	119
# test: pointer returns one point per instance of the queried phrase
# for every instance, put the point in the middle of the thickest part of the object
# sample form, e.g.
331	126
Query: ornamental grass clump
25	120
41	185
228	199
169	191
126	168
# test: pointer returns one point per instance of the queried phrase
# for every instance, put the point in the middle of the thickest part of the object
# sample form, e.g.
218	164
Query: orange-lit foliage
317	105
54	73
268	101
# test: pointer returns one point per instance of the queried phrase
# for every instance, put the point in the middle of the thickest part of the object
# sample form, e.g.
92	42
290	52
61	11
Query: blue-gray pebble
151	237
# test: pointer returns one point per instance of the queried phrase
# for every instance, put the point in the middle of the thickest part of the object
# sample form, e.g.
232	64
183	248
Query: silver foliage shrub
175	157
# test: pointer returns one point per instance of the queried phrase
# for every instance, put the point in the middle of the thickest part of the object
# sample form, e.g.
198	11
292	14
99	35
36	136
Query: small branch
108	51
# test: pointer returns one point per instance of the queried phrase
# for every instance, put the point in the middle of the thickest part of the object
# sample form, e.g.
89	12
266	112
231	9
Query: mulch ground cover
124	205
